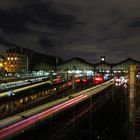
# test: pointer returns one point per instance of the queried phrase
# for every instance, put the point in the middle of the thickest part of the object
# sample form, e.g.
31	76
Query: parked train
98	79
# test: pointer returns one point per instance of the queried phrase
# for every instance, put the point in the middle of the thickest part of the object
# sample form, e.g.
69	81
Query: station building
75	64
124	65
101	67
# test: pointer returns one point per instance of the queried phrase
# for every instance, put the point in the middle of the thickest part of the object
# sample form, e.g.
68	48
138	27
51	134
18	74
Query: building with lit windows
2	62
16	61
2	66
22	60
101	67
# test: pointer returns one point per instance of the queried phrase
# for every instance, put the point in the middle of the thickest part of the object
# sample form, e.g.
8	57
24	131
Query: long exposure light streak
28	121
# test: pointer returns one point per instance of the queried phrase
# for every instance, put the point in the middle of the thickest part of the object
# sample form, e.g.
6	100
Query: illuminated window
11	58
8	58
15	58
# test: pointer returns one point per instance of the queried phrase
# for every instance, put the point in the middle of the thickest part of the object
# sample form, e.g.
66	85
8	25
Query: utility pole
51	77
132	102
73	82
67	80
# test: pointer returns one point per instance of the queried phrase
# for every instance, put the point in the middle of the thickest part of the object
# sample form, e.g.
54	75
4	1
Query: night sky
73	28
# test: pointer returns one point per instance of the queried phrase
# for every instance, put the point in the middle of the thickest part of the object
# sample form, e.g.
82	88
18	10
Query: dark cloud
16	20
50	43
9	4
70	28
13	21
6	43
134	24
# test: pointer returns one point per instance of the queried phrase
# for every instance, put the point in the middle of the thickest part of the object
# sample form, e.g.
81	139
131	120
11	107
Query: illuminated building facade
2	62
22	60
16	61
2	66
101	67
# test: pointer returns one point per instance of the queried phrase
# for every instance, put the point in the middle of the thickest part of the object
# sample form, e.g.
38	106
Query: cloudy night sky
73	28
